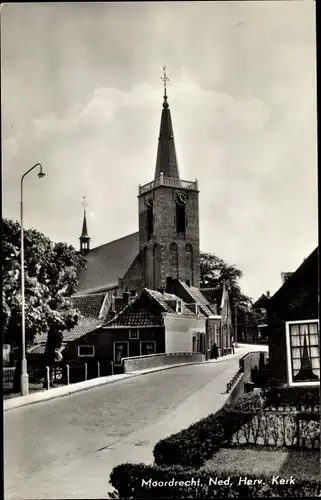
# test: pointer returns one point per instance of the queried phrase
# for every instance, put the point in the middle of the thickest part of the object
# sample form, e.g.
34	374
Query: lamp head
41	174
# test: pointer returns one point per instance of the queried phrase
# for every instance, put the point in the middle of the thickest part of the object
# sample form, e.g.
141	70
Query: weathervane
165	79
84	202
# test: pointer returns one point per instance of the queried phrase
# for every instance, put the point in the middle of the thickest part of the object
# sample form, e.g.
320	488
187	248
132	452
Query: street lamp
24	374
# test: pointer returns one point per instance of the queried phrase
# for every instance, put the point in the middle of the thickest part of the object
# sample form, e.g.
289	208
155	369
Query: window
303	352
87	351
149	216
147	347
134	334
120	352
180	213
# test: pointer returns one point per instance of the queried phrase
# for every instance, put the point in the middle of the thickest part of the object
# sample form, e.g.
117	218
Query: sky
82	95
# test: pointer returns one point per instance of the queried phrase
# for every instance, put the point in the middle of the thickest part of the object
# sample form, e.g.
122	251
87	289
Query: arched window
173	260
156	266
189	263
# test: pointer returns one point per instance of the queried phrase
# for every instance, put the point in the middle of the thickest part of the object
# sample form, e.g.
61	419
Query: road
66	447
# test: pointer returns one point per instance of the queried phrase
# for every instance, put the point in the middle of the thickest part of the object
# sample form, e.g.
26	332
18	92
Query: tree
51	277
214	271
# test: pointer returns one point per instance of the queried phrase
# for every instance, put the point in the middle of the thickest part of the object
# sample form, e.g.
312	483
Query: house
293	327
259	309
152	322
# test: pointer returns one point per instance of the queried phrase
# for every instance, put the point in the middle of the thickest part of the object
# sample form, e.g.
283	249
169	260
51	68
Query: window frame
289	352
130	334
86	355
147	342
114	351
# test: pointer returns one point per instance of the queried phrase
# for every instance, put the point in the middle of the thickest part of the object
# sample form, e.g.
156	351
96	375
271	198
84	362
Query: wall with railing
168	181
236	386
138	363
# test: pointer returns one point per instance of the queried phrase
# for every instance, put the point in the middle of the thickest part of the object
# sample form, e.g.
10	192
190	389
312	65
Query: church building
167	243
140	294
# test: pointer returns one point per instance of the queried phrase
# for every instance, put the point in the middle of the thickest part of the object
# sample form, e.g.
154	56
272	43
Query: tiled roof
118	305
213	295
107	263
85	325
197	296
89	305
137	313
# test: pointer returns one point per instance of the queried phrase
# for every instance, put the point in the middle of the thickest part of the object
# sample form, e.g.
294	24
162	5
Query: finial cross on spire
164	79
84	202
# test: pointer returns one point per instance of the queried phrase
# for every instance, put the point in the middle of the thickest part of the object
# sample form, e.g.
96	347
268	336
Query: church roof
166	161
107	263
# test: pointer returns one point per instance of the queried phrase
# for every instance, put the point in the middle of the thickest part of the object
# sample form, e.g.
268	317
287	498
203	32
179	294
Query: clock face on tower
180	198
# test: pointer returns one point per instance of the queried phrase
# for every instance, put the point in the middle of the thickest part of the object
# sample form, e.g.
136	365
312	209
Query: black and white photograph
160	258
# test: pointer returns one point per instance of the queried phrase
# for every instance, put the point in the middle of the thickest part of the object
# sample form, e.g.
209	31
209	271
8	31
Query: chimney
161	290
126	297
188	282
268	294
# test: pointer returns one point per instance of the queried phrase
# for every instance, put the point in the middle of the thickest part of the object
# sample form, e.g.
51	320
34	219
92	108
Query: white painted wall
179	330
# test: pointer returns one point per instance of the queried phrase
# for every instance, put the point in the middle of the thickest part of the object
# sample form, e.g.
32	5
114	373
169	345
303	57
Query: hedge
298	397
196	444
147	481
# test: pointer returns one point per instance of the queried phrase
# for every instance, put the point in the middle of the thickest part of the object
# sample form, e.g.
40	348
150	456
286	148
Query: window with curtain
304	352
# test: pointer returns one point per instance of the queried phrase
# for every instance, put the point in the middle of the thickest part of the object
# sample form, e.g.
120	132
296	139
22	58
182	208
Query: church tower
168	216
84	238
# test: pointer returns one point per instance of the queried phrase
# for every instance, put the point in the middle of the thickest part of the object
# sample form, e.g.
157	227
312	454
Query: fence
280	429
46	378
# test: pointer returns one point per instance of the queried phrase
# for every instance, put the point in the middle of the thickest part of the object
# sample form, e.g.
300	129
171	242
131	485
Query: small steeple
166	161
84	238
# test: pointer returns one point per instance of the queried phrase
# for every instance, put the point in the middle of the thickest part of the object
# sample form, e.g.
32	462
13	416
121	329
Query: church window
173	249
180	200
149	217
145	267
303	352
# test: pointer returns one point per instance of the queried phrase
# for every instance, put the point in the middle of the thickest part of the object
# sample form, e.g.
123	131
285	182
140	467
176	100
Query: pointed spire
166	162
84	238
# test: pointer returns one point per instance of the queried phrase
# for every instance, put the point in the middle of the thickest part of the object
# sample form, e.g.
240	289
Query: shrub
193	446
147	481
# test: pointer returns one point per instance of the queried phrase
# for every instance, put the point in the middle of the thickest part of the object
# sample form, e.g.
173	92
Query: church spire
166	162
84	238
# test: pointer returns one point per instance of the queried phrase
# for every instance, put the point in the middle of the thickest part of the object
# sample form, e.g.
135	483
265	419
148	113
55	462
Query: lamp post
24	374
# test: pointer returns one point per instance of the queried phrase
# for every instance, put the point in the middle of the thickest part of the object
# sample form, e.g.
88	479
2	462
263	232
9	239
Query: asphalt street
64	448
